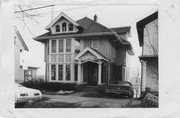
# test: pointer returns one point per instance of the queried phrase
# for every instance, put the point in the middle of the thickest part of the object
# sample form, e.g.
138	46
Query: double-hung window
60	72
68	72
61	45
53	72
68	45
57	28
64	27
70	27
53	46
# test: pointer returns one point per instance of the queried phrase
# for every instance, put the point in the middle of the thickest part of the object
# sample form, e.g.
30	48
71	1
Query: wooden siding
152	74
150	45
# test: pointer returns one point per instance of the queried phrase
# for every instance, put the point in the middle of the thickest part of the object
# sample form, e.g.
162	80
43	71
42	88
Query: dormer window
64	27
70	27
57	28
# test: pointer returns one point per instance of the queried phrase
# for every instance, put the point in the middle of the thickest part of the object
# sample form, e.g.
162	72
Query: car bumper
118	92
23	100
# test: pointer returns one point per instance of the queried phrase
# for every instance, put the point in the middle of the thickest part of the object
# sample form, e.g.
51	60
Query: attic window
64	27
57	28
70	27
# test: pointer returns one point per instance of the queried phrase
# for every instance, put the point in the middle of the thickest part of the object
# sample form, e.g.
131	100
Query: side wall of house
152	75
18	72
150	45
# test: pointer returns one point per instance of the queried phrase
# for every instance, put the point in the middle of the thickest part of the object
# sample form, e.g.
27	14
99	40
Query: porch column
144	64
79	72
99	72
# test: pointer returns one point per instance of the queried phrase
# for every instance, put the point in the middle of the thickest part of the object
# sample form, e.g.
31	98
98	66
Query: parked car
123	88
24	94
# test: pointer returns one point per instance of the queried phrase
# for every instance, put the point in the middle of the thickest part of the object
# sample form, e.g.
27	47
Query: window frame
70	26
64	28
62	45
62	71
53	71
68	72
68	46
58	28
53	47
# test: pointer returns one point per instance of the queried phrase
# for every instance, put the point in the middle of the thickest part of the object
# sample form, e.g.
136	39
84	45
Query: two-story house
20	46
147	29
85	51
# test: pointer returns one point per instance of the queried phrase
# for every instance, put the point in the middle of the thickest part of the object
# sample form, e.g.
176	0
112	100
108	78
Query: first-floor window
60	72
53	72
68	72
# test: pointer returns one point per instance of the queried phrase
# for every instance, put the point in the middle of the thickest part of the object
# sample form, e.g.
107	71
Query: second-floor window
57	28
61	45
68	45
53	47
70	27
95	43
64	27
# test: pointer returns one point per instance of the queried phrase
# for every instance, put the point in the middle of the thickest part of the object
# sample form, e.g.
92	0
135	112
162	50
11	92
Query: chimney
95	17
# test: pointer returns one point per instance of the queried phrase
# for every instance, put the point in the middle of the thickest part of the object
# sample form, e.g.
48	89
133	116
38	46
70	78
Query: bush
80	87
51	86
102	89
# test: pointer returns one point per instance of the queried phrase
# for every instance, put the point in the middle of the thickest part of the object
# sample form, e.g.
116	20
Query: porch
92	67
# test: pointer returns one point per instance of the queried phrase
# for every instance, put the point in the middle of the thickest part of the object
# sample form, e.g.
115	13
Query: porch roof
93	51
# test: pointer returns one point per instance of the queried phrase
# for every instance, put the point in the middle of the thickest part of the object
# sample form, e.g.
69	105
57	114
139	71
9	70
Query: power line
34	8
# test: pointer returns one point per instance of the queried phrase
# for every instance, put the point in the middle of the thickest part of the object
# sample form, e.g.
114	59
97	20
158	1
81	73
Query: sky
108	15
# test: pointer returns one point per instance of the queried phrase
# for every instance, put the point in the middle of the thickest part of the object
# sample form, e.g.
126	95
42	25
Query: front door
91	73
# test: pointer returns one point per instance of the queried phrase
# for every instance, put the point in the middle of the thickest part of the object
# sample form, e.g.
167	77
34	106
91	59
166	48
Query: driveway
80	100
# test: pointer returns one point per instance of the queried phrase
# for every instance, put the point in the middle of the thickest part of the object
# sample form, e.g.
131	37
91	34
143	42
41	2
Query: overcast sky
108	15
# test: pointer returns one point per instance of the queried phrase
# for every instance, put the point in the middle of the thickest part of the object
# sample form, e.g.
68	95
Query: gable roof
141	24
93	51
21	39
62	14
120	30
91	26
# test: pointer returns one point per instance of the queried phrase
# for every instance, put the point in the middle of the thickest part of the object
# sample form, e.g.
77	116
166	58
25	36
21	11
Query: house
19	46
30	74
85	51
147	29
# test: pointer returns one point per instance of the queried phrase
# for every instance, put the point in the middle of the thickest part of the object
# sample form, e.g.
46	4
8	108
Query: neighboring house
30	74
148	39
19	46
85	51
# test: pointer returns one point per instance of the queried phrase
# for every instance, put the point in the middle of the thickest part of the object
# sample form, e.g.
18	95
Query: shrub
80	87
102	89
51	86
